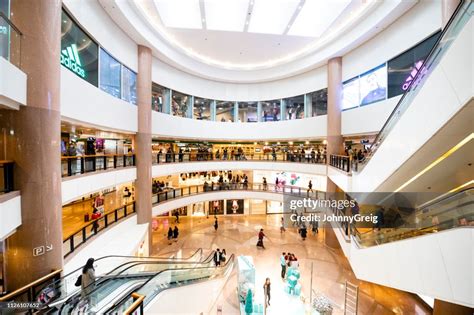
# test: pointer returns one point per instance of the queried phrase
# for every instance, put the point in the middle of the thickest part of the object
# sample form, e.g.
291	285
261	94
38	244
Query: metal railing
74	165
158	158
10	41
28	293
6	169
460	17
78	238
342	162
137	305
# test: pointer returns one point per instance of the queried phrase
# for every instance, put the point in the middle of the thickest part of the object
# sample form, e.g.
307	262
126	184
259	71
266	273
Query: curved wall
75	187
217	195
177	168
167	126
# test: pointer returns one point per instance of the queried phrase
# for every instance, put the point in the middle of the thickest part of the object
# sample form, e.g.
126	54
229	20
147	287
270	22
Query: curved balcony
172	163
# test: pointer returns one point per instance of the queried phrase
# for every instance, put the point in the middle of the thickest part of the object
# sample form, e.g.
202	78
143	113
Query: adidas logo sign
412	75
70	59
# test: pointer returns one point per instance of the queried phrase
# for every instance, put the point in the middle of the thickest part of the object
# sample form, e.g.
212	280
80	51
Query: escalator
168	279
121	282
64	290
429	253
438	105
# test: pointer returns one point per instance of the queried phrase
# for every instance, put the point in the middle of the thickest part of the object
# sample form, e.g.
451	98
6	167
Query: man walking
283	265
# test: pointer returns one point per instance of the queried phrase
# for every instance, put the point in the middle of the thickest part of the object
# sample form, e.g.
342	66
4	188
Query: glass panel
202	109
403	68
373	85
157	97
129	87
350	93
109	74
225	111
248	112
319	102
179	104
79	53
271	110
294	107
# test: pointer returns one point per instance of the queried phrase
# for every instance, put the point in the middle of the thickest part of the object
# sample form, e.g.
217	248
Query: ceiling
252	40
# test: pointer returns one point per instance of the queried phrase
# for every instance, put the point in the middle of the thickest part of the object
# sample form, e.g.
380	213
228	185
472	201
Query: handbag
78	281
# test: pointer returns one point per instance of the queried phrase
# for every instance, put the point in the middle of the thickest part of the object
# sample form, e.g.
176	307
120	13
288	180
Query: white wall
81	102
77	186
177	168
438	265
12	85
418	23
217	195
447	89
367	119
171	77
10	213
164	125
340	178
98	23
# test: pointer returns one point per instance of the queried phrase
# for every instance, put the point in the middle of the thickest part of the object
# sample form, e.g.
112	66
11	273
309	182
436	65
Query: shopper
87	278
216	224
175	233
303	232
314	227
266	292
310	187
170	235
274	155
261	235
282	225
217	257
223	256
176	214
265	184
180	155
94	217
283	265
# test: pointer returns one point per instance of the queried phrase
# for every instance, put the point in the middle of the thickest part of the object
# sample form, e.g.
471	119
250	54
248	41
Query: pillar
447	9
443	307
35	249
335	143
143	139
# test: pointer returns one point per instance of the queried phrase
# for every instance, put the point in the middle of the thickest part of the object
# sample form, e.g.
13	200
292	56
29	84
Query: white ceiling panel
316	16
272	16
180	13
226	15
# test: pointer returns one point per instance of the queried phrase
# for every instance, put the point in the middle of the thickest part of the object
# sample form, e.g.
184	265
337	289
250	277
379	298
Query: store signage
41	250
70	59
3	30
412	75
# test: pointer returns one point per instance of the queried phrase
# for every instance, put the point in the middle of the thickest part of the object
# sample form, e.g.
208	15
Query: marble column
443	307
35	249
447	9
335	143
143	139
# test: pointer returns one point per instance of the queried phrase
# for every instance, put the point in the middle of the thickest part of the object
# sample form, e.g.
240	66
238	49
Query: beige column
443	307
447	9
335	143
35	249
143	138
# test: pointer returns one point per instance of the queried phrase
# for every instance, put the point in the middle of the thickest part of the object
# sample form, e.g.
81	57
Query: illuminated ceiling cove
216	38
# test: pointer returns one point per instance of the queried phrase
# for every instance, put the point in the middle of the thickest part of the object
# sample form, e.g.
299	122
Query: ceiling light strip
249	16
202	8
294	16
471	182
437	161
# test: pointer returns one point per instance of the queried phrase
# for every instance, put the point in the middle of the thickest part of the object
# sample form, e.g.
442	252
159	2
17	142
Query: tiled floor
238	235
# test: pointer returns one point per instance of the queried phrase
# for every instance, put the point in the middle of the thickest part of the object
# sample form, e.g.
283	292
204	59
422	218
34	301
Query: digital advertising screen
373	85
350	93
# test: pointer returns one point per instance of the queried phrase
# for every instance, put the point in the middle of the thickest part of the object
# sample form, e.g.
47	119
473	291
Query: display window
110	74
248	112
271	110
202	109
225	111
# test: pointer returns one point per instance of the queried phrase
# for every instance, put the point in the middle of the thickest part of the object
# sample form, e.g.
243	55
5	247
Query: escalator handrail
230	260
108	277
449	196
375	143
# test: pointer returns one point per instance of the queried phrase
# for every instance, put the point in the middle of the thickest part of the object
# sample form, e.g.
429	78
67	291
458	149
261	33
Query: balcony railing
6	177
159	158
74	165
94	227
342	162
10	41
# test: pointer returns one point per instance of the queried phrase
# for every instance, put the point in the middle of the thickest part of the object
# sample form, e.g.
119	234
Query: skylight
180	13
272	16
226	15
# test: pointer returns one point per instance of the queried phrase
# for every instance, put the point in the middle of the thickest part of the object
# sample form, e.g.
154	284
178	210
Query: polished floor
238	235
